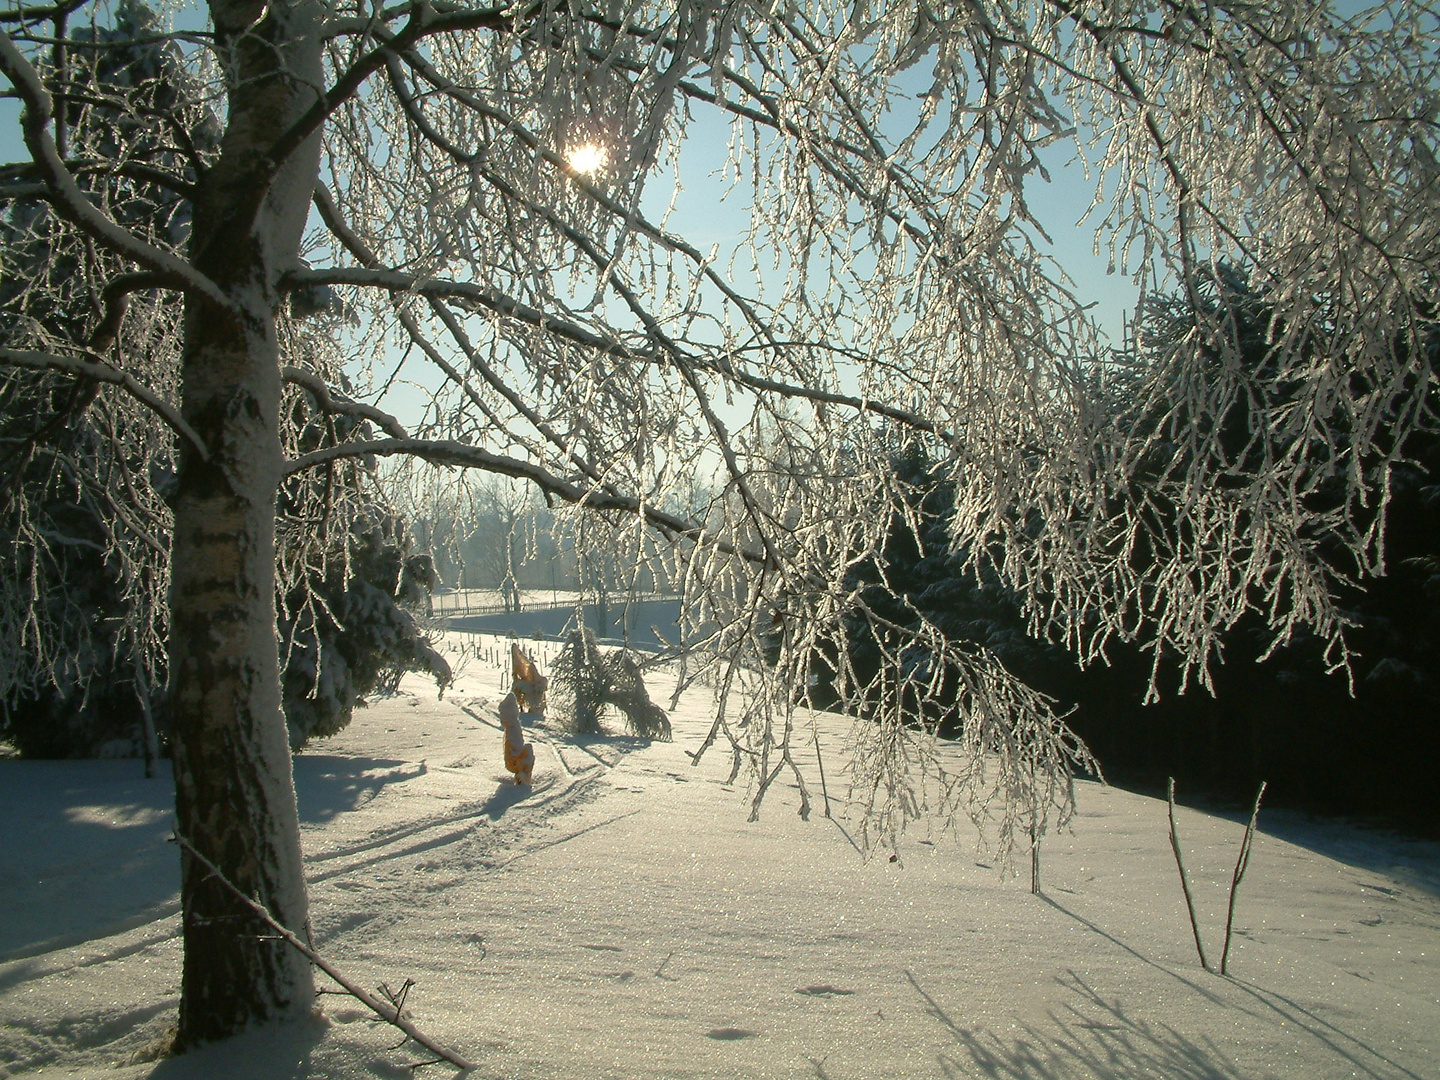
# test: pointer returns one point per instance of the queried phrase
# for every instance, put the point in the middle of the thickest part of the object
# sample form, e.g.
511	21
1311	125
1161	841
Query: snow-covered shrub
577	685
585	681
626	691
354	634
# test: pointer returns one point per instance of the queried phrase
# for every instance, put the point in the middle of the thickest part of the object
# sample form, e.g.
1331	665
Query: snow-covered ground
623	920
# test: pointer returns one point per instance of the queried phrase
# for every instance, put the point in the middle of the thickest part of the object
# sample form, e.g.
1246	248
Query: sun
587	159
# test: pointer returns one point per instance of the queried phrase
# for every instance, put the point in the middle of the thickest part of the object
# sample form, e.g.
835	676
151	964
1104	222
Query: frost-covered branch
102	372
134	170
725	365
440	452
39	110
424	21
328	403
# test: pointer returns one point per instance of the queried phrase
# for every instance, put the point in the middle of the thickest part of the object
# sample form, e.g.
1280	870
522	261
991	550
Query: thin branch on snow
386	1010
1185	878
1242	863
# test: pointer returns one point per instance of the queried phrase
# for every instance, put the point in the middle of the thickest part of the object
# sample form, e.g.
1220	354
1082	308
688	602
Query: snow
622	919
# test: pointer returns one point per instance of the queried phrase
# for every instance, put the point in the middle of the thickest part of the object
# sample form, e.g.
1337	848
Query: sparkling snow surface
622	919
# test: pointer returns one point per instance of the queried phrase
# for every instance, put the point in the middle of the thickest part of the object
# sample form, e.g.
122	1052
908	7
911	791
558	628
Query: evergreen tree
86	475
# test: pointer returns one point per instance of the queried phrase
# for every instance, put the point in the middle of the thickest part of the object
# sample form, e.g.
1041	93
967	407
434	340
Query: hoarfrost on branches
742	403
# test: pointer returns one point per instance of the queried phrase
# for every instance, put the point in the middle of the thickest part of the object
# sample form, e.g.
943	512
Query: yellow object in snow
519	754
527	682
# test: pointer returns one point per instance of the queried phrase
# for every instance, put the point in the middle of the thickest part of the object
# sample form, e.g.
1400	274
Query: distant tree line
497	533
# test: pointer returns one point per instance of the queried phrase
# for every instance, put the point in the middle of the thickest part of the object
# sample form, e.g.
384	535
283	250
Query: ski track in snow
621	919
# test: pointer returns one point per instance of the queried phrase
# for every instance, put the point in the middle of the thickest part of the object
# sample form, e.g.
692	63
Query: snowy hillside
623	920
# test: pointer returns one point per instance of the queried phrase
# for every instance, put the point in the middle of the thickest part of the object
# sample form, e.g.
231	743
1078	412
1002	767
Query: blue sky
703	218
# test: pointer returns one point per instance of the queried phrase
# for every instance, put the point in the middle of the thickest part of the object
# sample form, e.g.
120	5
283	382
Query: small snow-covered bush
626	691
350	637
585	681
577	685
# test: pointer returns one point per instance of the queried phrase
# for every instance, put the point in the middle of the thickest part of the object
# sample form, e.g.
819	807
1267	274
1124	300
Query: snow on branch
424	21
72	202
102	372
318	389
469	293
450	452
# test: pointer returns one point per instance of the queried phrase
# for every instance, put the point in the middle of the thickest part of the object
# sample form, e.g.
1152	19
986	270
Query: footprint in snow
729	1034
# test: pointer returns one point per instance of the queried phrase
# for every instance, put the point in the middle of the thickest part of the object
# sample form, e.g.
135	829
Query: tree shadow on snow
1268	1006
285	1051
603	749
330	784
1371	846
85	852
1090	1036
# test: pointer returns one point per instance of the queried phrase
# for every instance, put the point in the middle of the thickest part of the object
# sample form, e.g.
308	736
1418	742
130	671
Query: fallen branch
387	1011
1240	864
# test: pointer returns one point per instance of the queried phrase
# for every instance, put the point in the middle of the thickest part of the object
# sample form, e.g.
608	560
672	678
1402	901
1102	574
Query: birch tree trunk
235	796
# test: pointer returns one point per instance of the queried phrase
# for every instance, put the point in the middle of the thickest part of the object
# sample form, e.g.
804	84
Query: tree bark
234	791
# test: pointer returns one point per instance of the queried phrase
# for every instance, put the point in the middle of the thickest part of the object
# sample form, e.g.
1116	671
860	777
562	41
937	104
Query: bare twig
1035	834
1240	864
820	762
386	1010
1034	862
1184	880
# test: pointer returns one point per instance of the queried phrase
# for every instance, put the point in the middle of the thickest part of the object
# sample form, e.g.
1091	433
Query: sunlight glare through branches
588	158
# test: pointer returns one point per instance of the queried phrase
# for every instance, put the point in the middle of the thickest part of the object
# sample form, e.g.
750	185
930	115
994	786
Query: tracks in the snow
496	820
577	755
496	824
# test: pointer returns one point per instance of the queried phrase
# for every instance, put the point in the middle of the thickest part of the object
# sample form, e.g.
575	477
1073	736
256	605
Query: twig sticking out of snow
387	1011
1240	864
1185	880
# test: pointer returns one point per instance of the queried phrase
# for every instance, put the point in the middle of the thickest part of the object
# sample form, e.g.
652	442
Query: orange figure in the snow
527	695
527	682
519	754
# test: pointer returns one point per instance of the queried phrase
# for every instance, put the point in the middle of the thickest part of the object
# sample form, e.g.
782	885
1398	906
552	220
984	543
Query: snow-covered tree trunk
235	797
